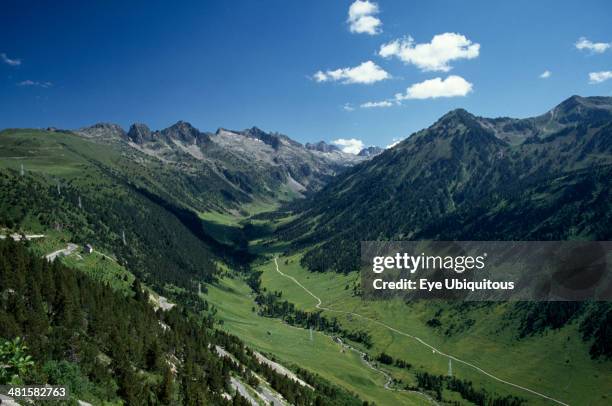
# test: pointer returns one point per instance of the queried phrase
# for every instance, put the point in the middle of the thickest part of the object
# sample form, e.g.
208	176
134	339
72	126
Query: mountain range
257	163
470	178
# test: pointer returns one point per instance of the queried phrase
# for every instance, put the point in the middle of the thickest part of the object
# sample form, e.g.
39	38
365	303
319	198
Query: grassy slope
53	154
226	227
292	345
99	266
102	269
556	363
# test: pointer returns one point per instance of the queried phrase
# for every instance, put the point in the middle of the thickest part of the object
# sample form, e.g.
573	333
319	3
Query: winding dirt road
421	341
70	248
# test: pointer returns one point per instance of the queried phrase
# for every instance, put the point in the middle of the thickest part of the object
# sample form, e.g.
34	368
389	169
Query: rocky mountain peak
185	132
139	133
456	123
457	116
321	146
370	151
255	132
577	108
274	140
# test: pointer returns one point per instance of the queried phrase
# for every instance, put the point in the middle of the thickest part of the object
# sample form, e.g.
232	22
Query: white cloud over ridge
378	104
597	47
452	86
598	77
546	74
394	142
361	18
9	61
433	56
366	73
350	145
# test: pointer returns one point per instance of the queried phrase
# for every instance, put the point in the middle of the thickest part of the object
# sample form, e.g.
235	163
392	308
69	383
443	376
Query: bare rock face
274	140
139	133
184	132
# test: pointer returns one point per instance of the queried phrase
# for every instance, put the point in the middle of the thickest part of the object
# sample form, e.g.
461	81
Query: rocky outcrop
139	133
185	132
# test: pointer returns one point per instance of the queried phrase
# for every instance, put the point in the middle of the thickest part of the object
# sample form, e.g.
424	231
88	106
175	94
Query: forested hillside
473	178
144	213
469	178
102	344
108	347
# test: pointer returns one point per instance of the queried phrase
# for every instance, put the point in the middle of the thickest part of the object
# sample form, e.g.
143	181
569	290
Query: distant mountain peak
103	130
254	131
456	122
274	140
578	108
589	101
321	146
371	151
182	126
457	116
139	133
185	132
106	125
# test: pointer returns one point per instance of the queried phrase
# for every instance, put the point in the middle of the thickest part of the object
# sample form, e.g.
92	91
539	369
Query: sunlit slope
292	346
556	363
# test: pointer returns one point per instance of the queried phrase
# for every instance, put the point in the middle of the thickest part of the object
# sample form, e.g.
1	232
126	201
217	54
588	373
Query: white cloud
432	56
35	83
546	74
361	18
598	77
9	61
597	47
350	146
348	107
379	104
452	86
394	142
366	73
320	76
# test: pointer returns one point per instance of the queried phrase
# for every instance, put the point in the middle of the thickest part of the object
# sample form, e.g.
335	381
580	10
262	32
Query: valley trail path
434	349
19	237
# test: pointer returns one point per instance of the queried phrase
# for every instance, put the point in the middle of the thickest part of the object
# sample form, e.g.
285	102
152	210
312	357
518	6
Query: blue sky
288	66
